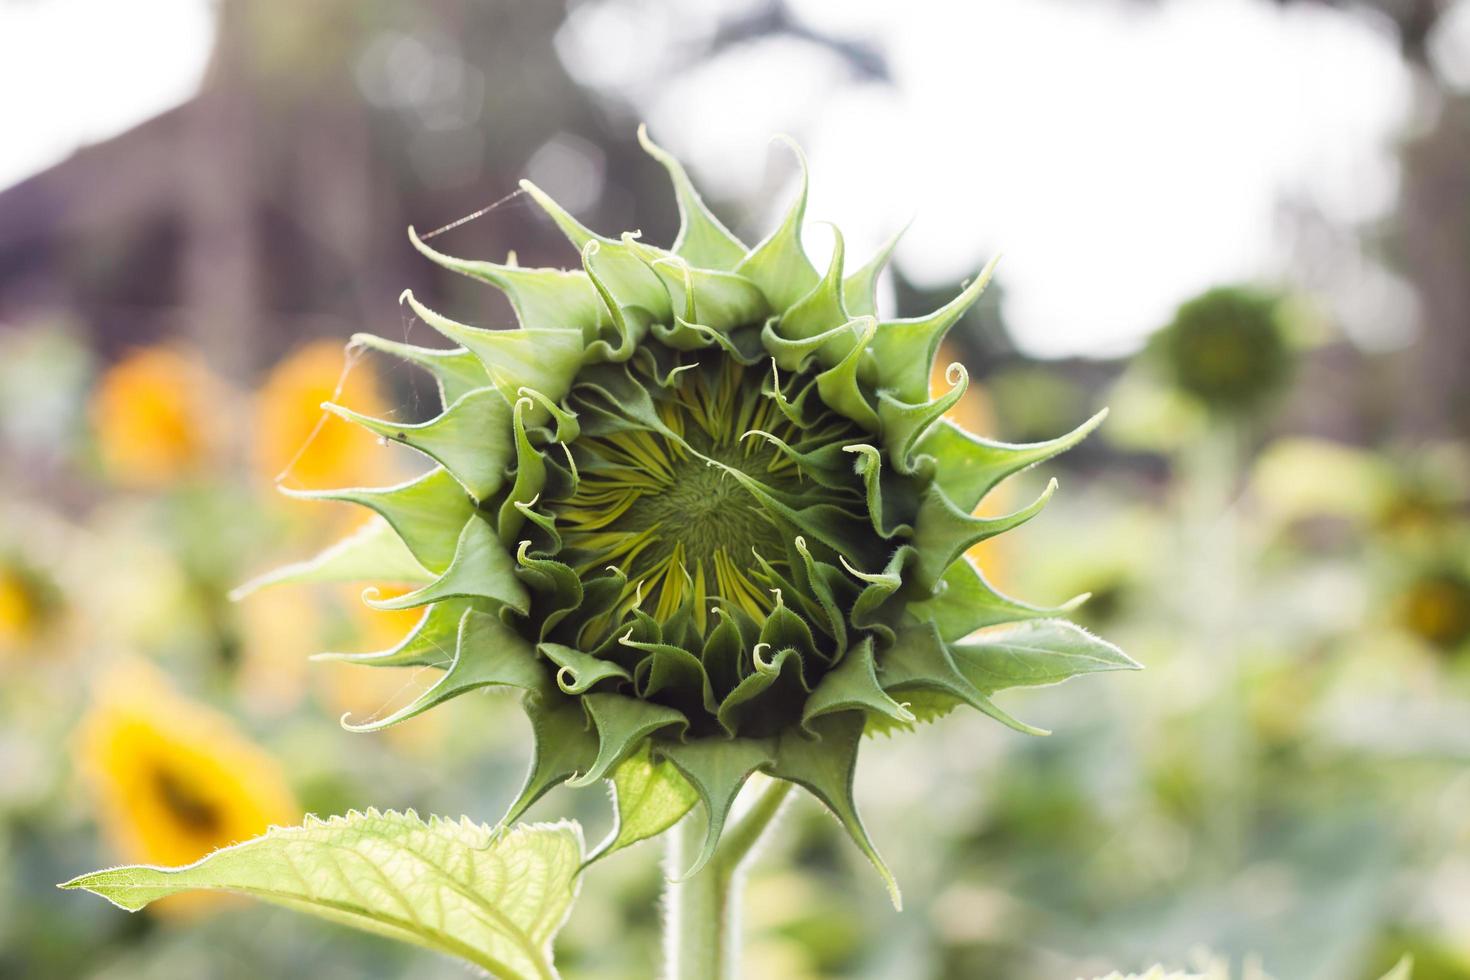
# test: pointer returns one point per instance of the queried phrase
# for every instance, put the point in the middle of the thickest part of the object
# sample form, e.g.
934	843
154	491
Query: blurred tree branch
775	19
1413	19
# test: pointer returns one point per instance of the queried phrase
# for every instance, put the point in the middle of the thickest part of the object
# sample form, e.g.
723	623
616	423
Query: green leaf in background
1403	970
1220	970
493	898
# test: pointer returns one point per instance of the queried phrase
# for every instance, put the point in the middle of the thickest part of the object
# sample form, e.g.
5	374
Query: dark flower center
665	508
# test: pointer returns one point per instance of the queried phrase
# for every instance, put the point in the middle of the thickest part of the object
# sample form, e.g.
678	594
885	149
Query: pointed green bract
429	513
375	553
904	350
716	768
649	797
921	668
471	439
965	602
943	532
969	467
825	766
542	298
433	642
623	726
779	265
495	898
703	240
457	372
701	511
543	358
1035	653
580	671
626	275
563	747
486	654
853	686
903	423
815	312
480	568
860	289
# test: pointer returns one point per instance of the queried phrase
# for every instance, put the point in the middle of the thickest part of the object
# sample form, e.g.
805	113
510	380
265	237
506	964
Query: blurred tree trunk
1433	245
220	282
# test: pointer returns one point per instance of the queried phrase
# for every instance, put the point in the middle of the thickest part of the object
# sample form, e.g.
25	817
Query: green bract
701	509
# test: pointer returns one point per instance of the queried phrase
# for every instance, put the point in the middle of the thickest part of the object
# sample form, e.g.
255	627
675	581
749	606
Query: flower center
186	806
665	508
704	513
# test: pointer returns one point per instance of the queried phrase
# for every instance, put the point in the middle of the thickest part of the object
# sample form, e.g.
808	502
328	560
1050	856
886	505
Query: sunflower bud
1228	347
702	509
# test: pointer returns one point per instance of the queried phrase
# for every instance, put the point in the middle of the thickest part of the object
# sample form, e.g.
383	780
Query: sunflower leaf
494	898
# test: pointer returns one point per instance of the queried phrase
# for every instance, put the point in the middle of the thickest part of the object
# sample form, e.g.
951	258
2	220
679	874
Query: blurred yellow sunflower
363	694
974	410
27	605
280	629
173	779
378	629
288	416
1436	608
155	418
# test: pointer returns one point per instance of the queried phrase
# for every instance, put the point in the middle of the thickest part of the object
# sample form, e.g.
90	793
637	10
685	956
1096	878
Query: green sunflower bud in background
1227	347
703	511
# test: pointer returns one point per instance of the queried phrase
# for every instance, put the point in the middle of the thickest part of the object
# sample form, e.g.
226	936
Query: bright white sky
1123	157
77	71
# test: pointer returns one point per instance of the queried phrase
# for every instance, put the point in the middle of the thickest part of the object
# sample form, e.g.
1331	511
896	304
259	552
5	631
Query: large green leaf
494	898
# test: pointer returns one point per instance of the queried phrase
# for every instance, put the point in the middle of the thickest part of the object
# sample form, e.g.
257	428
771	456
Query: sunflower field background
1275	519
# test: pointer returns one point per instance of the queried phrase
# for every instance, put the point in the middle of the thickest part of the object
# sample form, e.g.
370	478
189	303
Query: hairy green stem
701	924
